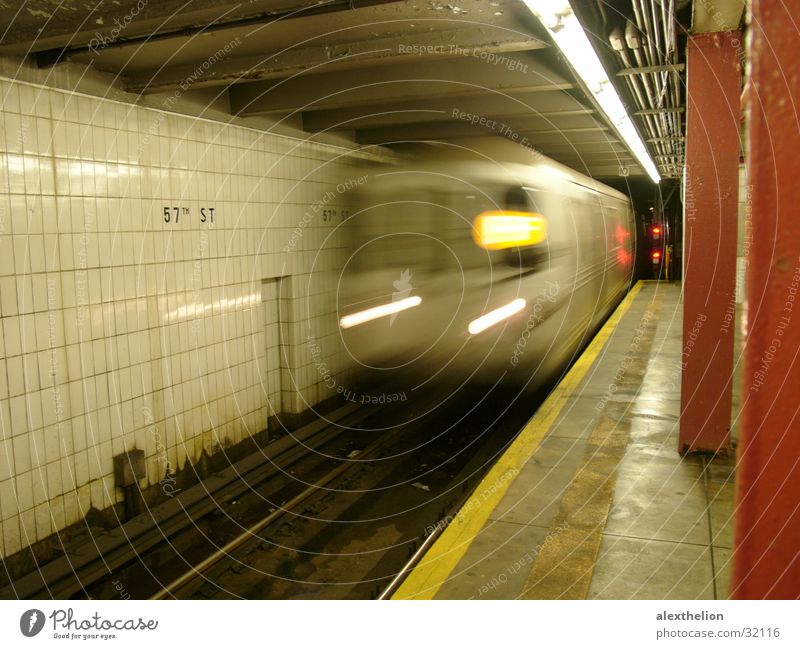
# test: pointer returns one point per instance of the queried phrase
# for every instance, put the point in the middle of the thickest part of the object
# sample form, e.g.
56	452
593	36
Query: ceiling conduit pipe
617	40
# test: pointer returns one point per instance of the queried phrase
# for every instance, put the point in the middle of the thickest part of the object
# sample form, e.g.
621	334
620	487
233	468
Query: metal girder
766	555
591	146
716	15
572	138
456	127
445	130
612	172
497	122
469	41
421	116
590	158
39	25
588	161
609	170
660	111
709	257
418	80
649	69
439	109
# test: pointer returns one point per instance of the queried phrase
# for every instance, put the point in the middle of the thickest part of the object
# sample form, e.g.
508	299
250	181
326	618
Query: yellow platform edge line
435	567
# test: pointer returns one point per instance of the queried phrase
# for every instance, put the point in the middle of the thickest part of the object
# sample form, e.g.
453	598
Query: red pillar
710	215
766	559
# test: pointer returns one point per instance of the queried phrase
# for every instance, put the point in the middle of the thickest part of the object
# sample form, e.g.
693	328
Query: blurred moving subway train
480	259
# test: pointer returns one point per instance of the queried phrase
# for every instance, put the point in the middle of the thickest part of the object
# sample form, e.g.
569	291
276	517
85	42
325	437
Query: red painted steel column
710	215
766	560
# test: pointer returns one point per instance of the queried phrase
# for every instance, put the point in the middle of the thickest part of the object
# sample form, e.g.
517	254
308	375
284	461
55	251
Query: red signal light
656	229
656	255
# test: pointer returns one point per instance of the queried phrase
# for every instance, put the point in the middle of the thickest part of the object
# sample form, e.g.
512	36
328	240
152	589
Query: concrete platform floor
592	500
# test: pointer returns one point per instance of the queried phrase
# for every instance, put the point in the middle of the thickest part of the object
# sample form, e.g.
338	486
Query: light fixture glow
498	315
499	230
379	312
564	27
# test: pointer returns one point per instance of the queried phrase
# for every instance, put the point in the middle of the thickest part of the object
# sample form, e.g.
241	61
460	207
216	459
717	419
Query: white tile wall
119	330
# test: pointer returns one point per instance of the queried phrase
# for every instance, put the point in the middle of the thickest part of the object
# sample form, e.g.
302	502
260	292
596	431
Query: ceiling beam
590	147
451	43
508	127
41	25
611	171
588	160
446	130
716	15
576	138
436	109
417	80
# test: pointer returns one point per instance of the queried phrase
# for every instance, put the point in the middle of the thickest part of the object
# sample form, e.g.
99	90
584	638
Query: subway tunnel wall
122	328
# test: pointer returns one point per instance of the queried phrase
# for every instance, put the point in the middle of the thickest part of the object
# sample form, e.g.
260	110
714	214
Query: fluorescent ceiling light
493	317
561	22
379	312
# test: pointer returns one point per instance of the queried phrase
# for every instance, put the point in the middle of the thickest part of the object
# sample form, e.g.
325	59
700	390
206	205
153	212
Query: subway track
86	560
335	509
351	532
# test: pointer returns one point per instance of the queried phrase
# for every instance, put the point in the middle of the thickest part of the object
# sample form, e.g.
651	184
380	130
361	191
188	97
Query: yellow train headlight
504	229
